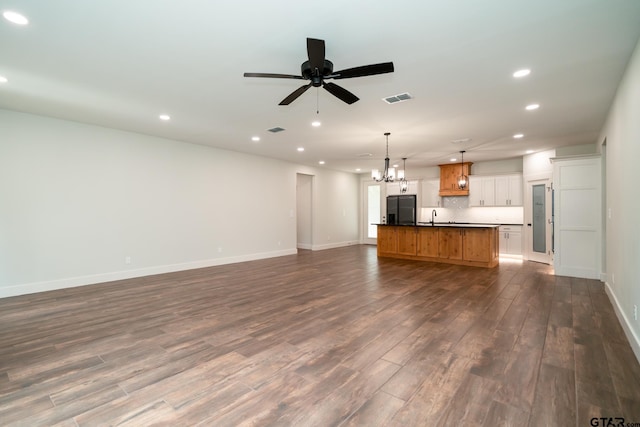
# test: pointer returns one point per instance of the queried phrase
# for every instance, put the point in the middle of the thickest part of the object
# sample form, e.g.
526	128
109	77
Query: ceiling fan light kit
318	69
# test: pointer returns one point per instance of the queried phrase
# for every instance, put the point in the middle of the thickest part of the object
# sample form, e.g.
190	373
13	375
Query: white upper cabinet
481	190
509	190
499	190
430	196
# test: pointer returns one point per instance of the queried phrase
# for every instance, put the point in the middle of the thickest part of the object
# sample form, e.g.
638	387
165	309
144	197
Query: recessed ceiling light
532	107
529	151
518	135
301	149
15	17
396	166
3	79
453	159
358	170
315	124
522	73
321	162
255	138
164	117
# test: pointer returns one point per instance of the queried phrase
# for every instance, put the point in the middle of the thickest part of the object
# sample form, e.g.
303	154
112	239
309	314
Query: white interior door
374	194
539	221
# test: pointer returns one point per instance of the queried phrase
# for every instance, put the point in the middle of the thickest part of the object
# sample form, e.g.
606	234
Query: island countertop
443	224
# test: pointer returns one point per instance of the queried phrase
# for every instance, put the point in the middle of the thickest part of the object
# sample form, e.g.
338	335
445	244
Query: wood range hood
449	174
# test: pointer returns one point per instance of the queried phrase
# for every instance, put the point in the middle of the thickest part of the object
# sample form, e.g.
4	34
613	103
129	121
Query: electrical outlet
635	312
219	249
127	260
613	278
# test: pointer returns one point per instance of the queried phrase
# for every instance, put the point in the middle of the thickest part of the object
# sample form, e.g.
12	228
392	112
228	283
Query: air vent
461	140
397	98
365	155
276	129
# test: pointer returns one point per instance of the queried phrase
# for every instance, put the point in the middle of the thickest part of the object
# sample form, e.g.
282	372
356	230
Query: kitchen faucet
433	214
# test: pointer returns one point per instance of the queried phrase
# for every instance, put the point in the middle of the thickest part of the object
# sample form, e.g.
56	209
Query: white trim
634	340
575	157
71	282
305	246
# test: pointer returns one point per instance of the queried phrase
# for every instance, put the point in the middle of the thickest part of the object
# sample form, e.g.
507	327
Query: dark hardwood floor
335	337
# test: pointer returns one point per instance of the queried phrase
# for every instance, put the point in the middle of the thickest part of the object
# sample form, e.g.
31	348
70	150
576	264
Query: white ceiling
121	63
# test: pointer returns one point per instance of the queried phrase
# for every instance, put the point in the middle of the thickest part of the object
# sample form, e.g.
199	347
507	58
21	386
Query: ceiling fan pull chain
317	101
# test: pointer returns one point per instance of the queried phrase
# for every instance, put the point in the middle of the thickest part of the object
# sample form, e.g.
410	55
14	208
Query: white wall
336	209
622	134
538	165
576	150
303	211
493	167
497	167
76	200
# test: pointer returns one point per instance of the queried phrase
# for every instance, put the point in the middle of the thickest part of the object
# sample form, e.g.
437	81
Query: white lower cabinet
511	240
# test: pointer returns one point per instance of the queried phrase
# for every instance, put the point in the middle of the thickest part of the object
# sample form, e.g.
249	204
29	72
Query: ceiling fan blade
341	93
315	51
272	75
365	70
295	94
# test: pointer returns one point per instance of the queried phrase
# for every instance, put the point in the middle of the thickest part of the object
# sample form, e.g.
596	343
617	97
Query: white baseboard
334	245
583	273
71	282
305	246
634	340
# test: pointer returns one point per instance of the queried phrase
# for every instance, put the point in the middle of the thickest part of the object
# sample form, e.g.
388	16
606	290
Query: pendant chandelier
463	180
389	174
404	184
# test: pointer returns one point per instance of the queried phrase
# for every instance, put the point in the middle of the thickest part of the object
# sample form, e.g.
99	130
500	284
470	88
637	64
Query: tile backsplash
456	209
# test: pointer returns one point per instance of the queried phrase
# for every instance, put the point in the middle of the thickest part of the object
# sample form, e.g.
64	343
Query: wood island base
474	245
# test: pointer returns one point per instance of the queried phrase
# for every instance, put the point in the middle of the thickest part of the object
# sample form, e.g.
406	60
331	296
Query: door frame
529	254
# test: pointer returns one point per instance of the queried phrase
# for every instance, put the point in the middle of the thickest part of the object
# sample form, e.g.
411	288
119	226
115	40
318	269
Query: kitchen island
464	244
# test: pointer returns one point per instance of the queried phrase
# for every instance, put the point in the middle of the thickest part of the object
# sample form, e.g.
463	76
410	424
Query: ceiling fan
318	69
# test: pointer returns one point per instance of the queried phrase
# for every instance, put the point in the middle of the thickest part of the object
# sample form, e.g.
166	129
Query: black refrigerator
401	210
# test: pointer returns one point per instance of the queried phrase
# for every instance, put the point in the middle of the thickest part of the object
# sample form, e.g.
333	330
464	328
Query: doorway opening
372	212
